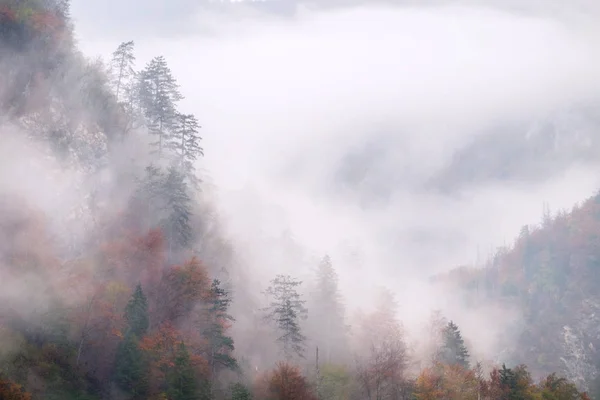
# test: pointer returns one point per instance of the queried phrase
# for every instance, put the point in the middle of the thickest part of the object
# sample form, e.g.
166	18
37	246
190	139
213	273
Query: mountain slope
552	276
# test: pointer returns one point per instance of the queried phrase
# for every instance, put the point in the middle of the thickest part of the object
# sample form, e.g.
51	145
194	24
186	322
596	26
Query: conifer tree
182	383
136	313
285	310
159	94
131	372
328	311
454	350
121	68
177	208
219	344
240	392
186	146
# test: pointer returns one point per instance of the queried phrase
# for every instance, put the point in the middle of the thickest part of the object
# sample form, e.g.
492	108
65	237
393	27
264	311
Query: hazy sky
282	101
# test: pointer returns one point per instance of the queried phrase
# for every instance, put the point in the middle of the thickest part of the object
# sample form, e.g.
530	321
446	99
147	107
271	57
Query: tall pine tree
181	379
327	312
454	351
131	368
159	94
121	68
186	146
177	211
220	346
136	313
285	310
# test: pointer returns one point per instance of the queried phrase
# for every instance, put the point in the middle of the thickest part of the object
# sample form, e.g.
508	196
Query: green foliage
286	309
181	380
240	392
327	316
453	349
159	94
555	388
186	147
136	313
336	382
131	370
220	345
176	223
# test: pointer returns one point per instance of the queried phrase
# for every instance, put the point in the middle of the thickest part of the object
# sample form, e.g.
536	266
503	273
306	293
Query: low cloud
284	102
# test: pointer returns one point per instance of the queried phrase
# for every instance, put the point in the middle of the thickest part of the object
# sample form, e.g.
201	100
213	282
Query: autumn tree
286	309
181	289
444	381
453	350
558	388
159	95
285	382
509	384
383	355
11	391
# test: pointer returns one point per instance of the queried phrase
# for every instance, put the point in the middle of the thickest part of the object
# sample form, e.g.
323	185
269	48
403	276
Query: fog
284	101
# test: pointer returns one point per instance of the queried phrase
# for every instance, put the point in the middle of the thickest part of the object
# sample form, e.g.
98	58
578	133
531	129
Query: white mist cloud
283	101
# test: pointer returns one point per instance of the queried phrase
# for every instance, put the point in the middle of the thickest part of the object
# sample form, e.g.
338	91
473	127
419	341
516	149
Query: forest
129	289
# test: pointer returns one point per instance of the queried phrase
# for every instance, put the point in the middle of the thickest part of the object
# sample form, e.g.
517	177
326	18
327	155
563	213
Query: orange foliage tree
451	382
12	391
181	290
135	258
162	348
285	382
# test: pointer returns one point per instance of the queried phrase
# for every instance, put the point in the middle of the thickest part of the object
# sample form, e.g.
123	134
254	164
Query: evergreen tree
286	309
131	372
159	94
182	384
186	146
220	346
121	68
453	349
177	213
136	313
240	392
327	313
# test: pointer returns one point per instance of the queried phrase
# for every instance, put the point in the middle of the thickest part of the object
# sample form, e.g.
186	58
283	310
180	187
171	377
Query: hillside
550	274
118	281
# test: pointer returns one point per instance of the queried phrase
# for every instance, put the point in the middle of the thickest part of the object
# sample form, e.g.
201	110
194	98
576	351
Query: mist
285	103
403	140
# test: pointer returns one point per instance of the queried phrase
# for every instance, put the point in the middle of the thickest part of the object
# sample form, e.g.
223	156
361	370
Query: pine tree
176	220
454	350
220	346
328	311
136	313
131	372
286	309
240	392
121	68
159	94
186	146
182	384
